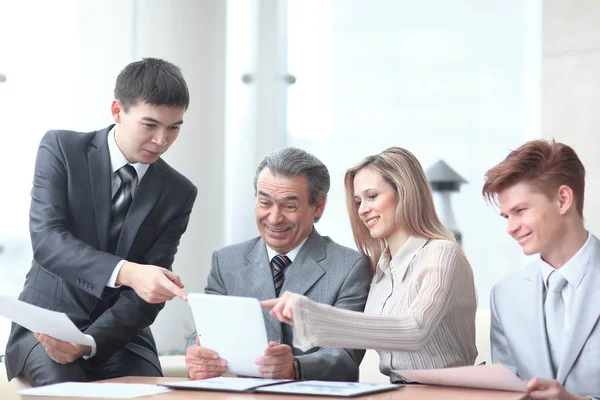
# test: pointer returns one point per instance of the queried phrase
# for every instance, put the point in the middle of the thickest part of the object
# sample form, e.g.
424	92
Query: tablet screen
231	326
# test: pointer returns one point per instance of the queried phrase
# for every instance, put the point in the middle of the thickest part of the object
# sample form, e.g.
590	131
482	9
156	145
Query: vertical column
240	118
191	34
571	87
271	104
256	103
105	35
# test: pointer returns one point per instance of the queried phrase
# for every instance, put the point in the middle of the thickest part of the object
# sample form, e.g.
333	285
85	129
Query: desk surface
409	392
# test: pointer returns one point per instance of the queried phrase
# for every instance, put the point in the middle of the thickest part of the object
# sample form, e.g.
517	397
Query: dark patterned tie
278	264
120	204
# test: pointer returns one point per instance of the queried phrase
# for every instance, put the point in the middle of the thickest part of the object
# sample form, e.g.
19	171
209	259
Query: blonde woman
420	312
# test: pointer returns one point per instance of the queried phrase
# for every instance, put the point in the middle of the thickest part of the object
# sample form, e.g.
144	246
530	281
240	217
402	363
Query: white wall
571	88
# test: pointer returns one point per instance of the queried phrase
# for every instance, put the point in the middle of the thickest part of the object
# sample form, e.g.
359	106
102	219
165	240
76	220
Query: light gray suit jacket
323	271
518	333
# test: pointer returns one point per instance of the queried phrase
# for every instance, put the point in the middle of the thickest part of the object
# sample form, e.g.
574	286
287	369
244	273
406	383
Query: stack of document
491	376
257	385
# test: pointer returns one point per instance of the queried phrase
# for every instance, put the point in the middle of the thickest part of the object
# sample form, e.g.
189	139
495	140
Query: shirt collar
291	254
399	263
117	159
574	269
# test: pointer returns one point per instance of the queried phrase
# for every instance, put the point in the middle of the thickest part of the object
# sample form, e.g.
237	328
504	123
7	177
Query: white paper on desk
490	376
38	319
322	388
95	390
225	383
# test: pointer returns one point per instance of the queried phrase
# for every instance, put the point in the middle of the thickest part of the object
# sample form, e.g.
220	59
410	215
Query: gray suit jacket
69	224
518	333
323	271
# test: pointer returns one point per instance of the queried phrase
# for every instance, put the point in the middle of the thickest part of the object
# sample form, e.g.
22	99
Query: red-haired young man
545	318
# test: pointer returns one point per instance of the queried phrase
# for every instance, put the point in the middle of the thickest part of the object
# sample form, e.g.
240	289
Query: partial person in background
106	217
545	317
291	188
421	307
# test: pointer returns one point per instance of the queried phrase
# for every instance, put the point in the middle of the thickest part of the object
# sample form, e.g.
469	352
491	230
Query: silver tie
554	310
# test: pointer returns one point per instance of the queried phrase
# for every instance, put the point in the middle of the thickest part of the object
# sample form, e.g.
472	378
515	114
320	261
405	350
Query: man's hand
277	362
203	363
62	352
548	389
282	307
153	284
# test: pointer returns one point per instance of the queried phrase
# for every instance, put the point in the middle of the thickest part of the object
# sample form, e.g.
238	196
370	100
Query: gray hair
290	162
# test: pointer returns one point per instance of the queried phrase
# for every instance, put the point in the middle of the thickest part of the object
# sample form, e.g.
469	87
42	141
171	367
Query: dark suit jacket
69	224
324	271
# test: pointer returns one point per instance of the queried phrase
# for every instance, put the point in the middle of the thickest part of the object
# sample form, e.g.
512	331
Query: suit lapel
535	324
257	275
146	195
304	272
586	317
100	179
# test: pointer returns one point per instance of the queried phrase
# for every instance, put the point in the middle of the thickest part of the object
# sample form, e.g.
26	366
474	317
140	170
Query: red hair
546	165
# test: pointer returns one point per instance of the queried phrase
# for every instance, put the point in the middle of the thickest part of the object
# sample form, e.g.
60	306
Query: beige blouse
420	312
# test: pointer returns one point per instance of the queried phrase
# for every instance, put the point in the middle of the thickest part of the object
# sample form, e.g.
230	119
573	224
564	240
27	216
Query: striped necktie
120	204
278	264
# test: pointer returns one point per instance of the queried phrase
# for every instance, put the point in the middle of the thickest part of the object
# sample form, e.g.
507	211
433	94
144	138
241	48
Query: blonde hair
415	211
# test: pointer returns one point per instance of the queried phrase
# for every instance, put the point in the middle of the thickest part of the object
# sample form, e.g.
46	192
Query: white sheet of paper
225	383
37	319
490	376
232	326
321	388
98	390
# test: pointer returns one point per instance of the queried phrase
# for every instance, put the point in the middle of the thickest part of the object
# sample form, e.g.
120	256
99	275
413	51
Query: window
445	80
39	58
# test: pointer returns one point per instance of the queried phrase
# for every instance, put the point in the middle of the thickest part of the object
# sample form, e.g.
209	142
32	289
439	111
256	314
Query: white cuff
93	351
112	281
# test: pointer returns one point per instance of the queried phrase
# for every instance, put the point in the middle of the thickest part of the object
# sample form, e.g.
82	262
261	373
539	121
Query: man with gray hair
291	188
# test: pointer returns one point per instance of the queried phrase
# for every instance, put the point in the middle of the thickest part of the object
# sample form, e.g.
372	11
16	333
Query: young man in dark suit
106	217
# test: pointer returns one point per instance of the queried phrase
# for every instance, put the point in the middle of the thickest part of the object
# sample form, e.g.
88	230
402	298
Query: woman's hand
281	307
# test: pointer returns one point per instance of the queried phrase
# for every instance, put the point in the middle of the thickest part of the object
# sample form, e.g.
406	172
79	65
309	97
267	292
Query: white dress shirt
573	271
117	160
292	254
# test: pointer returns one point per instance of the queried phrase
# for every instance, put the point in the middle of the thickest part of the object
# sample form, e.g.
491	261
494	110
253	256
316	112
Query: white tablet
231	326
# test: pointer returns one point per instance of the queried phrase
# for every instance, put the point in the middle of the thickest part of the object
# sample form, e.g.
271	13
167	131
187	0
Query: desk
409	392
